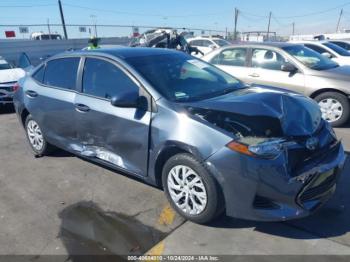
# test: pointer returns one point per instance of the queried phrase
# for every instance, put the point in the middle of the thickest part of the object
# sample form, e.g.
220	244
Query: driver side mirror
326	54
288	67
127	100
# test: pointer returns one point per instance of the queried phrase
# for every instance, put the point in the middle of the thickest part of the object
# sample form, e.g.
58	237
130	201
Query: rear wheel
335	108
36	138
191	189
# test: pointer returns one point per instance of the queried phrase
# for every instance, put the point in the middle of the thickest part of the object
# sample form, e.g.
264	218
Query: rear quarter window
39	74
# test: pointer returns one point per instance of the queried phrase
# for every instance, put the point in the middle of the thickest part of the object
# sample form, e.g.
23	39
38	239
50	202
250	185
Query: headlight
259	147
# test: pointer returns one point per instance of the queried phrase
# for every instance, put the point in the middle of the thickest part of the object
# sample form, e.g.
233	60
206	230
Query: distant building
258	36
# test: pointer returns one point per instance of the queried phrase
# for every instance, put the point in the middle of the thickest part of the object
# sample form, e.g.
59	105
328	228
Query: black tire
343	100
215	203
46	148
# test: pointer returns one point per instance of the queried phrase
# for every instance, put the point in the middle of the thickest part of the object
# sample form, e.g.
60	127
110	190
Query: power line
142	14
25	6
315	13
298	16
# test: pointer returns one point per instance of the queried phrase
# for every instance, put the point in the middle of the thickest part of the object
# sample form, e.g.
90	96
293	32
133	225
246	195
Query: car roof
204	38
317	42
264	44
122	52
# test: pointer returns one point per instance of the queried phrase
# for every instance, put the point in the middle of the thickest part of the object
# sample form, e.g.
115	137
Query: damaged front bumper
277	189
6	93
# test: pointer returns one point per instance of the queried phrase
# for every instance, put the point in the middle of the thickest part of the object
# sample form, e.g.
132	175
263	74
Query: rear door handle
31	93
82	108
254	75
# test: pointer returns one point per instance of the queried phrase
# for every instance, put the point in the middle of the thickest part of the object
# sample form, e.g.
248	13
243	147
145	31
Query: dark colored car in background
177	122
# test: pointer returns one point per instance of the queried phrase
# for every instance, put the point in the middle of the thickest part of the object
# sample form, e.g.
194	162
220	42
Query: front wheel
191	190
335	108
36	138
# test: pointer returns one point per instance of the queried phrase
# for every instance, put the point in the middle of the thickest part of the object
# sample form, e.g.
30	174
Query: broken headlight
259	147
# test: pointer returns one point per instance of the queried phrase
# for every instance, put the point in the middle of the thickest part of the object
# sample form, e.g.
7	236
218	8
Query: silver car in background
293	67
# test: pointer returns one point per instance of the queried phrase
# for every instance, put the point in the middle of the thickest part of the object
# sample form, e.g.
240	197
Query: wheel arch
24	115
324	90
167	152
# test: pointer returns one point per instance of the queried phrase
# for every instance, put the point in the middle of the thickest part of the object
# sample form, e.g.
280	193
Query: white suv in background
328	49
207	44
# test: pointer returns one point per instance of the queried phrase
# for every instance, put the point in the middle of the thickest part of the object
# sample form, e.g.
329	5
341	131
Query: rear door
266	70
233	61
50	97
113	134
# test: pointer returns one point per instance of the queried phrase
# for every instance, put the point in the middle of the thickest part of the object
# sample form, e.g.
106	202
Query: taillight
16	87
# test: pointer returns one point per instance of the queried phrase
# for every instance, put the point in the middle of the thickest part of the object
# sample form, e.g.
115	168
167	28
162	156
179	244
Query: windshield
221	42
310	58
180	77
339	50
4	65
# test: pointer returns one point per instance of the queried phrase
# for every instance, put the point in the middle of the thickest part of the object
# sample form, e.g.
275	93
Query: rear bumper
266	190
6	93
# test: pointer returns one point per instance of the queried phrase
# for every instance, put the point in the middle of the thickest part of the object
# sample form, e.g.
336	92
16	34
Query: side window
316	48
105	80
196	43
39	74
231	57
62	72
207	43
267	59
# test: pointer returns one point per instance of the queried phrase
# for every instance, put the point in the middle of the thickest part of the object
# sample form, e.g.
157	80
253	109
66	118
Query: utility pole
338	24
293	32
48	27
268	27
62	19
94	23
236	21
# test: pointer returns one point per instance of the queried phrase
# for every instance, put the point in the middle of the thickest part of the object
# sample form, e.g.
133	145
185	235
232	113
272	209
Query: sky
311	16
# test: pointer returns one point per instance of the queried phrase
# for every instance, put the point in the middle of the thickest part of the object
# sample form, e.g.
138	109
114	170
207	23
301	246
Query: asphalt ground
63	205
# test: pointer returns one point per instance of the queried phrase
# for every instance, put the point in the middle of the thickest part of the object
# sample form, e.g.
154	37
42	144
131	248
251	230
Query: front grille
318	187
264	203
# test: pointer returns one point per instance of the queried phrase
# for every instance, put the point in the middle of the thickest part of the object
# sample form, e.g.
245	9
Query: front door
266	70
113	134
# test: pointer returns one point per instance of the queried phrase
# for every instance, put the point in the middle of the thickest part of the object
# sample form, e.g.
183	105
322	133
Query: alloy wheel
187	190
35	135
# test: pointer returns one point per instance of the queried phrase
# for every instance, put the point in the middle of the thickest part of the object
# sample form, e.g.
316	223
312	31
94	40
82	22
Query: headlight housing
268	148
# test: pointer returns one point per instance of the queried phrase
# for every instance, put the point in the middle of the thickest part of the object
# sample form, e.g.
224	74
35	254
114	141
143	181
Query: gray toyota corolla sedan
212	143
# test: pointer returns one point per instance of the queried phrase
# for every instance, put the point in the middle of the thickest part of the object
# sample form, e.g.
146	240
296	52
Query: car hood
11	75
261	111
339	73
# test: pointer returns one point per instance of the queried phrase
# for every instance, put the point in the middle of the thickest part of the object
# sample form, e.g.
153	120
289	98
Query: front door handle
82	108
254	75
31	93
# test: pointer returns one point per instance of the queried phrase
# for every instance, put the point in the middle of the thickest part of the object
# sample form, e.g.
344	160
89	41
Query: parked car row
295	67
212	142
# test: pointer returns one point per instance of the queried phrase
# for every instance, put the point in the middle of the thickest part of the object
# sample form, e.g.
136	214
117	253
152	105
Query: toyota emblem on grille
312	143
